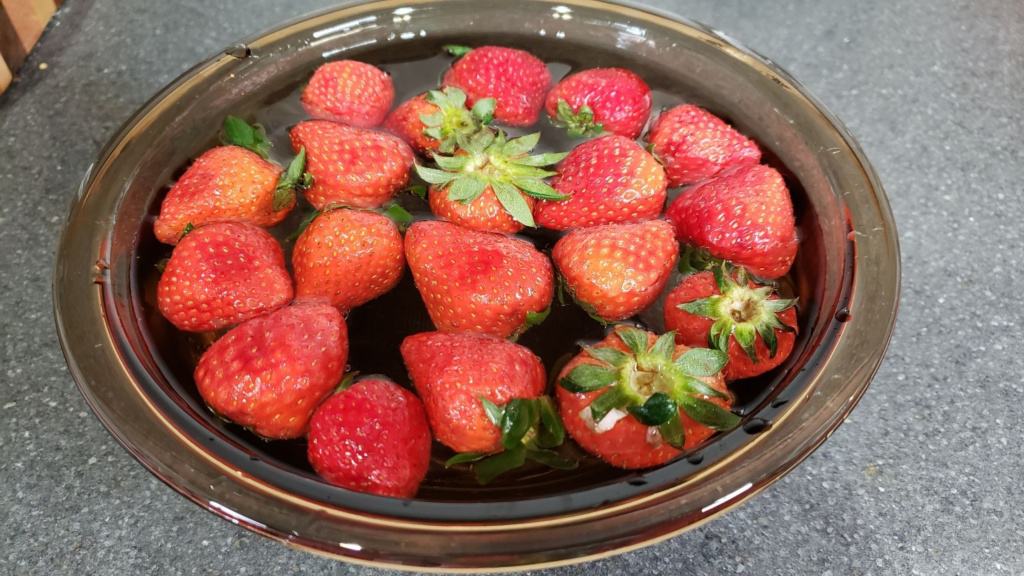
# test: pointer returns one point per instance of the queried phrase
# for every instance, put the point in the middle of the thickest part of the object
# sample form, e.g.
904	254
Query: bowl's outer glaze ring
93	284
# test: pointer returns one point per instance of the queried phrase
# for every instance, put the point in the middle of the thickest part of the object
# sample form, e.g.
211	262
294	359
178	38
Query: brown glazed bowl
135	372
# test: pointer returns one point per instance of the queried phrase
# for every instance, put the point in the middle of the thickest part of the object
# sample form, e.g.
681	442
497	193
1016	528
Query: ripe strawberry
352	166
516	79
269	373
636	400
350	92
477	281
371	437
607	180
748	321
348	256
231	183
491	182
744	216
599	100
483	396
616	270
694	145
222	274
435	121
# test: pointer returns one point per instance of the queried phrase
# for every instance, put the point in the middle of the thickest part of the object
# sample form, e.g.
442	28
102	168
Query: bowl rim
65	295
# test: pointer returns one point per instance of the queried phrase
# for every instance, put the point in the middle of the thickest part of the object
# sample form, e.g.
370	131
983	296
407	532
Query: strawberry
607	180
516	79
637	400
435	121
352	166
616	270
269	373
746	320
371	437
222	274
350	92
234	182
694	145
478	281
491	182
348	256
600	100
744	216
483	395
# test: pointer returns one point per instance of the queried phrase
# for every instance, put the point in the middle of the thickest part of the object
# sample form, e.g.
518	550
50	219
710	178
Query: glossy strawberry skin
617	270
371	437
222	274
451	372
485	213
349	257
744	216
693	330
269	373
626	445
620	100
350	92
694	145
404	122
515	78
351	166
226	183
609	180
477	281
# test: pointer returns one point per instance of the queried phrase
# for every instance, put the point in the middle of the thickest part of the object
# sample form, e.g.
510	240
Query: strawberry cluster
635	399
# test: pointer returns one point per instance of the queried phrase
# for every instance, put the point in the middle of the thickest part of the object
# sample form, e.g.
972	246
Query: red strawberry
516	79
491	183
636	400
348	256
748	321
599	100
616	270
694	145
436	120
222	274
269	373
350	92
744	216
231	183
608	180
352	166
371	437
477	281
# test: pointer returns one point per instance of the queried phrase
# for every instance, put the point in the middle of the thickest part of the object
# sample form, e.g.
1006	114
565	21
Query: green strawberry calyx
741	311
238	132
294	177
457	50
453	121
490	159
650	384
577	123
530	430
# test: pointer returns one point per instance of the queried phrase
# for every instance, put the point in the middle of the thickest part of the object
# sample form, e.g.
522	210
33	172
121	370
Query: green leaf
434	176
466	188
521	145
284	192
454	97
777	305
767	334
536	318
664	347
745	335
551	459
711	415
483	110
551	431
634	339
703	307
515	422
451	163
457	50
722	278
399	215
577	123
347	381
693	260
494	412
605	403
672	432
588	377
545	159
702	361
418	190
657	410
616	358
539	189
514	203
238	132
464	457
432	120
695	386
720	332
184	231
490	468
304	224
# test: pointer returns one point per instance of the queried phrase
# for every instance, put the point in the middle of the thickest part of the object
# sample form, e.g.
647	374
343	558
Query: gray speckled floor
925	478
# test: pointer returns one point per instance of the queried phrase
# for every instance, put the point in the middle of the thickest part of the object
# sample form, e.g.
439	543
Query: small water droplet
695	459
843	315
240	51
756	425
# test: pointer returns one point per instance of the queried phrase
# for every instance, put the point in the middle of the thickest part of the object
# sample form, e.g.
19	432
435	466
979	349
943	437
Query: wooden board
21	24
